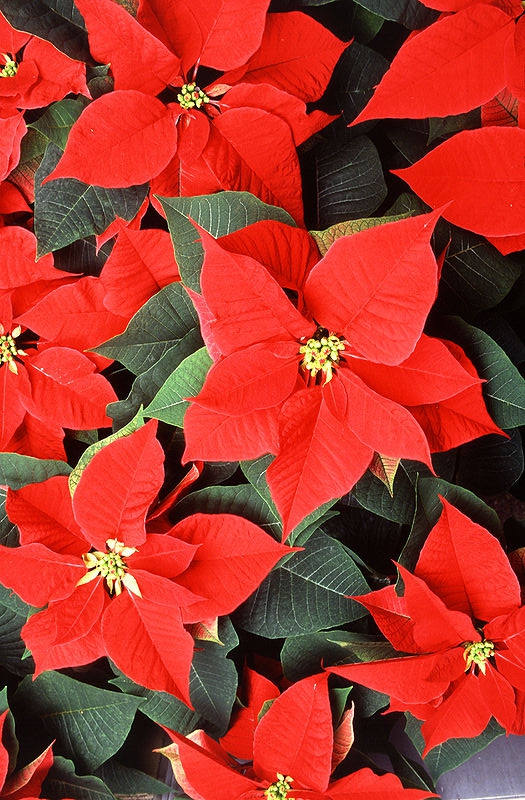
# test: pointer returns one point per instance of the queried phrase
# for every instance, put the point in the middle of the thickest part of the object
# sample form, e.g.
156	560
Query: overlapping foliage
262	396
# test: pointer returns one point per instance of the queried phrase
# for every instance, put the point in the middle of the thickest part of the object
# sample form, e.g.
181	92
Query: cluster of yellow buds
8	349
10	68
279	790
478	653
111	567
320	353
190	96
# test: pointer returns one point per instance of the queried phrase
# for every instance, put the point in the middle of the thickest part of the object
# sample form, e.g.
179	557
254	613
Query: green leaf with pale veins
167	321
186	380
324	239
89	724
219	214
308	592
67	209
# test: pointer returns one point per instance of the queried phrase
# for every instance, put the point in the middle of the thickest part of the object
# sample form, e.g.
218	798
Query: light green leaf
186	380
219	214
324	239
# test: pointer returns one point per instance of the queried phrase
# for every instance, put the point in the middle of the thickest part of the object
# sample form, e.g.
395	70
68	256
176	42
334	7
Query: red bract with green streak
110	587
324	389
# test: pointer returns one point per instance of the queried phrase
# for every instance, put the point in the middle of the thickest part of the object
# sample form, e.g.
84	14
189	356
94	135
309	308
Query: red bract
33	72
111	588
246	140
293	756
326	389
460	627
24	783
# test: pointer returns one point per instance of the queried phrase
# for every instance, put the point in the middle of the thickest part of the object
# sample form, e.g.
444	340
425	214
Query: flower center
191	96
8	349
478	653
321	353
111	566
11	67
279	790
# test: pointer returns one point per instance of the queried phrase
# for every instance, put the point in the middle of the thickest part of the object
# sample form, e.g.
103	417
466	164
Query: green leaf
186	380
126	780
89	452
214	679
409	13
324	239
452	753
504	390
167	321
56	121
161	707
67	209
8	530
255	472
62	781
243	500
89	724
356	74
58	21
13	615
372	494
491	464
350	182
17	471
219	214
308	592
475	275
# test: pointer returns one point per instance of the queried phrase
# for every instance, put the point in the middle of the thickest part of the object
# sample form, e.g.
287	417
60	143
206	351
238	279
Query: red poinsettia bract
24	783
239	132
294	755
325	389
460	62
109	587
459	625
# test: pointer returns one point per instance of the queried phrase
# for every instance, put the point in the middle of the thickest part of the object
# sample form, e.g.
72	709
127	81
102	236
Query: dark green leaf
56	121
62	781
372	494
219	214
475	275
491	464
17	471
242	500
450	754
504	390
8	531
307	593
186	380
58	21
128	780
350	182
89	724
410	13
167	321
214	679
357	72
161	707
67	209
13	615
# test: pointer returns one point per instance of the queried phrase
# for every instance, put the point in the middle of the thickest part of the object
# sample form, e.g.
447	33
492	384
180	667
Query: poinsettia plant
261	395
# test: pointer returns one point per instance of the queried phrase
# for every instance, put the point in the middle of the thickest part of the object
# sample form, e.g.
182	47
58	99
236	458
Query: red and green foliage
261	394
